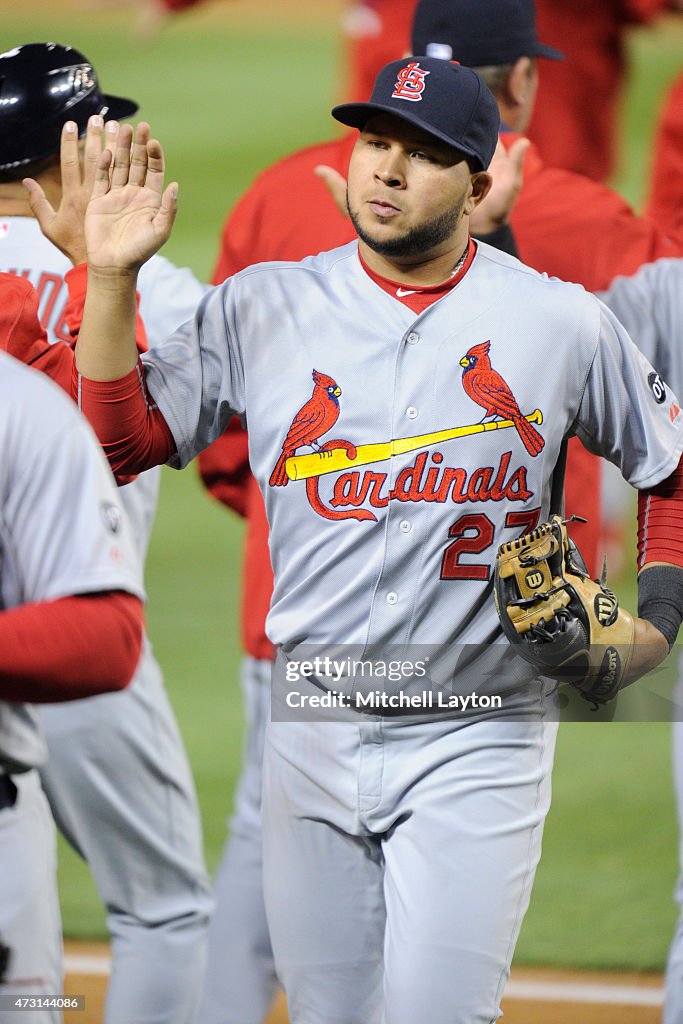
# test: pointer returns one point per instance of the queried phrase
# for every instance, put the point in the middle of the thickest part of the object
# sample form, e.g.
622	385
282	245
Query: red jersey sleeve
71	648
576	229
22	336
224	468
665	202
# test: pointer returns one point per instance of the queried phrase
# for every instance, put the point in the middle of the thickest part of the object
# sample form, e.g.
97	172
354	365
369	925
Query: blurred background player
117	776
665	200
374	32
576	126
650	305
70	626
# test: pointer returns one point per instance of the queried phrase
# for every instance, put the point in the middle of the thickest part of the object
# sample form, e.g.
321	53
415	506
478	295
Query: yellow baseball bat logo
302	467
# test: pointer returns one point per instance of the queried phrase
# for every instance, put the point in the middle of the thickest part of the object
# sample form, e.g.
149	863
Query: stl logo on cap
410	83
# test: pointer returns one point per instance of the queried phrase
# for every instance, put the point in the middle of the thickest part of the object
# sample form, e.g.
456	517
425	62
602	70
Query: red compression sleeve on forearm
660	521
132	431
71	648
77	284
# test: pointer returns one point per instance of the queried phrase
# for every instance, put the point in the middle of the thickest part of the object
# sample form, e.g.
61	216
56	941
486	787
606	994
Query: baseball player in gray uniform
142	837
650	305
399	853
65	544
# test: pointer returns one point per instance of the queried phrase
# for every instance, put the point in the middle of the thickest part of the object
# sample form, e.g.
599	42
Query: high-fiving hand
78	163
116	211
130	215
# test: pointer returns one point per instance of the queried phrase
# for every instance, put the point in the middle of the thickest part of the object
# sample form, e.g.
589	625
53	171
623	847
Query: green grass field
227	95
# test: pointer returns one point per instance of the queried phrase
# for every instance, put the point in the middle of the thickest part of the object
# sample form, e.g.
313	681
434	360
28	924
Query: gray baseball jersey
142	840
63	531
394	850
51	463
650	305
394	545
168	296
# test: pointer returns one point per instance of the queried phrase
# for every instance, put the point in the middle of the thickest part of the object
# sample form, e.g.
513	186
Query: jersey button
413	338
392	598
405	526
411	412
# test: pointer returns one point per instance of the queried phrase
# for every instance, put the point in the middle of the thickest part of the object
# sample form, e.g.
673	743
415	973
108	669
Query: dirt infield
532	996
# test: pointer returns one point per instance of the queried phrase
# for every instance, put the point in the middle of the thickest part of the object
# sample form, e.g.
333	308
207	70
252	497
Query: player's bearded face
406	190
421	239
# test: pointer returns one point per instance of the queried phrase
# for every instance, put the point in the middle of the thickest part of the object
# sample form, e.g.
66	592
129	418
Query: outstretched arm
64	227
128	218
126	221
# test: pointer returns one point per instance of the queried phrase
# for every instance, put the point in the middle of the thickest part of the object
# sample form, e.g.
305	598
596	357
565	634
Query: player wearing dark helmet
42	84
117	776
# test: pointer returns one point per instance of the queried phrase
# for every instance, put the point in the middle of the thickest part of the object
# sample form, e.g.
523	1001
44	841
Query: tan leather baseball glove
567	625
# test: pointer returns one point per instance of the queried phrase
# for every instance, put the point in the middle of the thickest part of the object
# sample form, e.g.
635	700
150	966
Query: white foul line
87	963
533	991
582	992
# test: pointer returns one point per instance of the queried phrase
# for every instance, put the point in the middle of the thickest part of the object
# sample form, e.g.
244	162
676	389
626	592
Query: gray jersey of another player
650	306
168	296
62	526
373	555
148	826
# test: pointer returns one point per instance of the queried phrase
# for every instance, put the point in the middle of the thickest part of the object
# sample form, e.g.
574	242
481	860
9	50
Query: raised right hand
130	214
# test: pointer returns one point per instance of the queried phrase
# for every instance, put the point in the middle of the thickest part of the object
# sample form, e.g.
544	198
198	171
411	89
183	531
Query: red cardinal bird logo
486	387
315	418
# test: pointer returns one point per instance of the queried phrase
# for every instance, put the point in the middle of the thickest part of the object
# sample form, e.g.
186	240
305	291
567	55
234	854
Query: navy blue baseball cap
478	33
443	98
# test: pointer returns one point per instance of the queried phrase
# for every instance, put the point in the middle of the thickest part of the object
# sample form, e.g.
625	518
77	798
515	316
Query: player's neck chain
461	262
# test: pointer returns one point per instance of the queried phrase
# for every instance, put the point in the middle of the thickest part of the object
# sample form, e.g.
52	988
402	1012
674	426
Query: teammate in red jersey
665	202
375	32
576	126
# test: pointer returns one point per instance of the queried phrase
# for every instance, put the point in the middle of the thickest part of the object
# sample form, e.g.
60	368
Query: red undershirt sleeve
131	430
71	648
660	521
23	337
